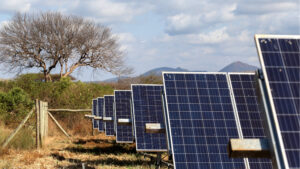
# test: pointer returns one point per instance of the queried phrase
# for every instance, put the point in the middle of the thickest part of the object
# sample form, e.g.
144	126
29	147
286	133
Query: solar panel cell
100	110
279	57
124	133
250	116
109	111
201	123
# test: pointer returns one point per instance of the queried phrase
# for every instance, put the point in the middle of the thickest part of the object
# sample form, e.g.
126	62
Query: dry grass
30	157
94	152
73	123
4	133
24	139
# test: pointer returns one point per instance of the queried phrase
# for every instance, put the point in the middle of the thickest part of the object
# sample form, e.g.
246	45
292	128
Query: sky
191	34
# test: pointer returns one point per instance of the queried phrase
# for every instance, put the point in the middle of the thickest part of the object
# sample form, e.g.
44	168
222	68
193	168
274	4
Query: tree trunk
71	70
47	77
61	70
66	66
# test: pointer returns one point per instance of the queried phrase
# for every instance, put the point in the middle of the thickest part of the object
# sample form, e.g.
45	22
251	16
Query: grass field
94	152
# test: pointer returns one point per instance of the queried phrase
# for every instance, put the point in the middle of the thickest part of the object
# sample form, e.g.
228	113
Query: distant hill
239	67
155	71
233	67
115	79
159	70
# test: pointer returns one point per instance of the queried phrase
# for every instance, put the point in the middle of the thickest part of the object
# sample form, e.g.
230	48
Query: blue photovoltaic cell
148	108
280	60
250	116
109	112
95	123
124	133
100	113
201	120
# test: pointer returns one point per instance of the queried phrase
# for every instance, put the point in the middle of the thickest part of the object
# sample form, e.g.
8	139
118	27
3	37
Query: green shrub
14	105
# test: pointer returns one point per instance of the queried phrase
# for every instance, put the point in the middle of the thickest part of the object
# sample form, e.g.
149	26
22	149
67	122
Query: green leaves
14	104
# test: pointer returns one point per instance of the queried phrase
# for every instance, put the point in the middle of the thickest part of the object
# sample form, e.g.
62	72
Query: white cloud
244	36
216	36
181	23
259	8
193	34
195	21
104	11
126	40
108	11
15	6
125	37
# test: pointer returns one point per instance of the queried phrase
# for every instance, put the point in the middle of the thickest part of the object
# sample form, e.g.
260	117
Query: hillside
238	67
232	67
159	70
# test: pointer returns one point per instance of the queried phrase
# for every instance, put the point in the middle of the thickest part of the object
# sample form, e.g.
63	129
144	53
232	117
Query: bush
14	105
59	94
17	99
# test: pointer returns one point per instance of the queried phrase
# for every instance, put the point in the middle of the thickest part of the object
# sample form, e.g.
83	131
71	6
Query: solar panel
279	56
148	108
124	133
94	112
100	113
167	124
244	86
109	112
201	119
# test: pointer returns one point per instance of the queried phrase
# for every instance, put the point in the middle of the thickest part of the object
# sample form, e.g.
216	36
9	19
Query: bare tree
46	40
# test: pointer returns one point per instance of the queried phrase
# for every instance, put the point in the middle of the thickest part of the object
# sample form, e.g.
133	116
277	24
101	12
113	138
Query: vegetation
17	98
46	40
23	140
14	105
59	94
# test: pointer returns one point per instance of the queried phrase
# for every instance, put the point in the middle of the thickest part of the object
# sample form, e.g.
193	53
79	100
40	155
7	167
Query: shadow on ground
106	161
84	141
107	147
111	149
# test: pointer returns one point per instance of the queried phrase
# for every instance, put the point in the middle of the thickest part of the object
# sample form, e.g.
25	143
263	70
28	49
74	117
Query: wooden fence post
46	118
42	123
43	111
37	108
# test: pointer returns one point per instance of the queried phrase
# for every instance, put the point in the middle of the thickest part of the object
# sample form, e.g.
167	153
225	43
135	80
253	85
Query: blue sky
192	34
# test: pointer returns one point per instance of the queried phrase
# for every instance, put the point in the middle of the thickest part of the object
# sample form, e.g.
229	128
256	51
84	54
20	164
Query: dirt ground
90	152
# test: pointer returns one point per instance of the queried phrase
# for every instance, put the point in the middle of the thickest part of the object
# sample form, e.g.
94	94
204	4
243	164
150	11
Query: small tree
45	40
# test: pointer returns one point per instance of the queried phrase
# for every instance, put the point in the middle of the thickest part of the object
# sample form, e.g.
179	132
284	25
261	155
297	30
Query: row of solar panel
104	107
203	111
200	112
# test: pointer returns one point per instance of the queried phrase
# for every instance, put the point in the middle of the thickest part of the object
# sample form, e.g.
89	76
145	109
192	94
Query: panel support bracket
107	119
98	118
123	121
154	128
89	116
249	148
